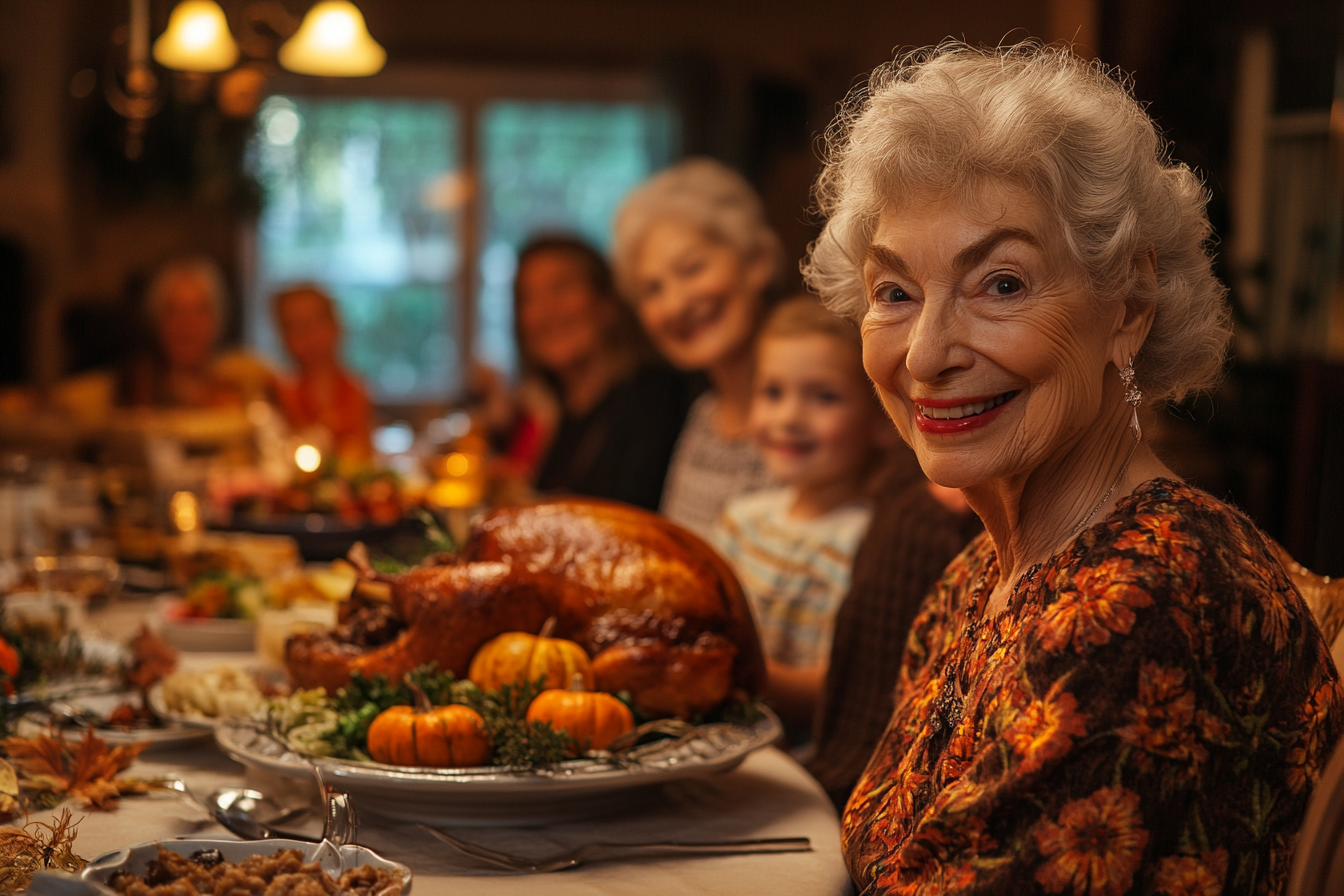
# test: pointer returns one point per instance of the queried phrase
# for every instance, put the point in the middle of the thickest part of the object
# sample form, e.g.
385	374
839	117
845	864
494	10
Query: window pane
361	197
554	167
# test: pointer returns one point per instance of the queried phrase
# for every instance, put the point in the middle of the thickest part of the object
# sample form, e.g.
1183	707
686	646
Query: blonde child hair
804	315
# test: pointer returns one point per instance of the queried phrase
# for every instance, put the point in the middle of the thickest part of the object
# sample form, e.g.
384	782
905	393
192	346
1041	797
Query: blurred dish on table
227	608
118	719
190	632
251	554
334	860
90	579
200	698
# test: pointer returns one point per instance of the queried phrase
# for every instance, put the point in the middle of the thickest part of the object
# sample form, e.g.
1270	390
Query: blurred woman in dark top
621	411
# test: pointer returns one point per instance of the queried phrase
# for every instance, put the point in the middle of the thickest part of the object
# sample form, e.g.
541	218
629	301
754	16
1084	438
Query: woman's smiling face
561	319
699	300
982	337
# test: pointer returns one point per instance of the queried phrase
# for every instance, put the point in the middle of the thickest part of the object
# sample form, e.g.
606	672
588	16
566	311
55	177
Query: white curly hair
705	194
952	117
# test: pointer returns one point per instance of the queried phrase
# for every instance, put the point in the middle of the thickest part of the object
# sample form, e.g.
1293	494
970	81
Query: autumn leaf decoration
9	790
86	772
151	659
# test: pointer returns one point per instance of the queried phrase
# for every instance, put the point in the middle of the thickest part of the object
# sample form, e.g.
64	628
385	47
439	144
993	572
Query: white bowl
335	860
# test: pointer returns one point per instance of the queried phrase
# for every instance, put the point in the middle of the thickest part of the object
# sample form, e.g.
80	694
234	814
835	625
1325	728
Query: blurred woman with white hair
693	253
185	307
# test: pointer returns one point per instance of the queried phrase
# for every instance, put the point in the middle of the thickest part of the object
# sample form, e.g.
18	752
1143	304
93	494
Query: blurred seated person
697	259
918	528
322	394
823	436
620	410
183	370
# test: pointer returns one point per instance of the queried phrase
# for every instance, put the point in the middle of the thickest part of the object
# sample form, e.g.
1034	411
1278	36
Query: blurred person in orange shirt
321	394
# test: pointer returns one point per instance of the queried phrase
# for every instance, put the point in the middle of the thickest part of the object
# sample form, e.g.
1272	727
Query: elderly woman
693	253
1116	688
185	306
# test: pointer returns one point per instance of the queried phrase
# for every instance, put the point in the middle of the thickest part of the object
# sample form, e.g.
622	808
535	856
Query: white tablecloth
769	795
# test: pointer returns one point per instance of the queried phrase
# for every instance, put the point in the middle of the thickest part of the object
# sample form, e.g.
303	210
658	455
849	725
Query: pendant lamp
197	39
333	41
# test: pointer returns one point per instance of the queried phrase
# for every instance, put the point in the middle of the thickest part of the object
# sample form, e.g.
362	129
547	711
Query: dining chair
1318	865
1324	596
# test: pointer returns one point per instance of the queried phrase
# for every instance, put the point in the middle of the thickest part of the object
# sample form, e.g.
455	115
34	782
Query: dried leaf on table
151	659
38	846
9	790
86	772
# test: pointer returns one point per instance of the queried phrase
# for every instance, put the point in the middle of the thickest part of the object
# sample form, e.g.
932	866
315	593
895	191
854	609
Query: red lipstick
938	426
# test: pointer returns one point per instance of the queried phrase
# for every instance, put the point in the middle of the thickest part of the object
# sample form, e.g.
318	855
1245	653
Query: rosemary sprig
518	742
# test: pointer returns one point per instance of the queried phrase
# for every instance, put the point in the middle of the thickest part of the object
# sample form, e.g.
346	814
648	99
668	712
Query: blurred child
821	431
322	394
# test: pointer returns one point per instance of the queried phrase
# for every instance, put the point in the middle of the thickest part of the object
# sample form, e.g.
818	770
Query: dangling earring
1133	397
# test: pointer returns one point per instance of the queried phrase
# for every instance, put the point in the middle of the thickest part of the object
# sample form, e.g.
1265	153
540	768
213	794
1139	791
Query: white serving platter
495	795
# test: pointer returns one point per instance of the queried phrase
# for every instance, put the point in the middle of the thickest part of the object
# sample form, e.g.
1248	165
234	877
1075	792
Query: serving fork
591	851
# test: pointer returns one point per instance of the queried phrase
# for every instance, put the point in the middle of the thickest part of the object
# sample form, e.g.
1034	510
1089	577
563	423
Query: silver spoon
253	815
230	808
238	809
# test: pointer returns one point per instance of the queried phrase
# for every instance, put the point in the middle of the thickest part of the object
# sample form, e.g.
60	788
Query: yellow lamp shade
333	41
197	39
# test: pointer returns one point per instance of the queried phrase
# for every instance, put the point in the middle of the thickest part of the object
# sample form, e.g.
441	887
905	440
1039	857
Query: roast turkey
659	612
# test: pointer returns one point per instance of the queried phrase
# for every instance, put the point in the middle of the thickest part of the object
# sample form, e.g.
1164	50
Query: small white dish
195	634
335	860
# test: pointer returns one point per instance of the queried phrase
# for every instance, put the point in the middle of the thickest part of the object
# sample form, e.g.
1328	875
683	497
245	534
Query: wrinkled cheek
883	359
883	354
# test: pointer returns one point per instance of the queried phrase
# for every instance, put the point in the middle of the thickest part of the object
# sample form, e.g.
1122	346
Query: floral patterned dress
1147	715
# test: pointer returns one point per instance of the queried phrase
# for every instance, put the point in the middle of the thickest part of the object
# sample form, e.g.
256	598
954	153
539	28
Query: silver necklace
1082	524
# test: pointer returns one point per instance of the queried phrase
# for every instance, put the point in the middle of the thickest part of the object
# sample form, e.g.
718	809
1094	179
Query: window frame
469	89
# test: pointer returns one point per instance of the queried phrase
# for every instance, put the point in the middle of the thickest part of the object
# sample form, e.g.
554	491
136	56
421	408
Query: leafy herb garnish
358	703
518	742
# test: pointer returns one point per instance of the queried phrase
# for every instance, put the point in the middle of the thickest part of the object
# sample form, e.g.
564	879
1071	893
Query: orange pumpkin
439	736
592	718
516	657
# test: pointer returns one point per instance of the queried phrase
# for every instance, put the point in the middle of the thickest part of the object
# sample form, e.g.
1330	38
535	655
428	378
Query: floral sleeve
1148	716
